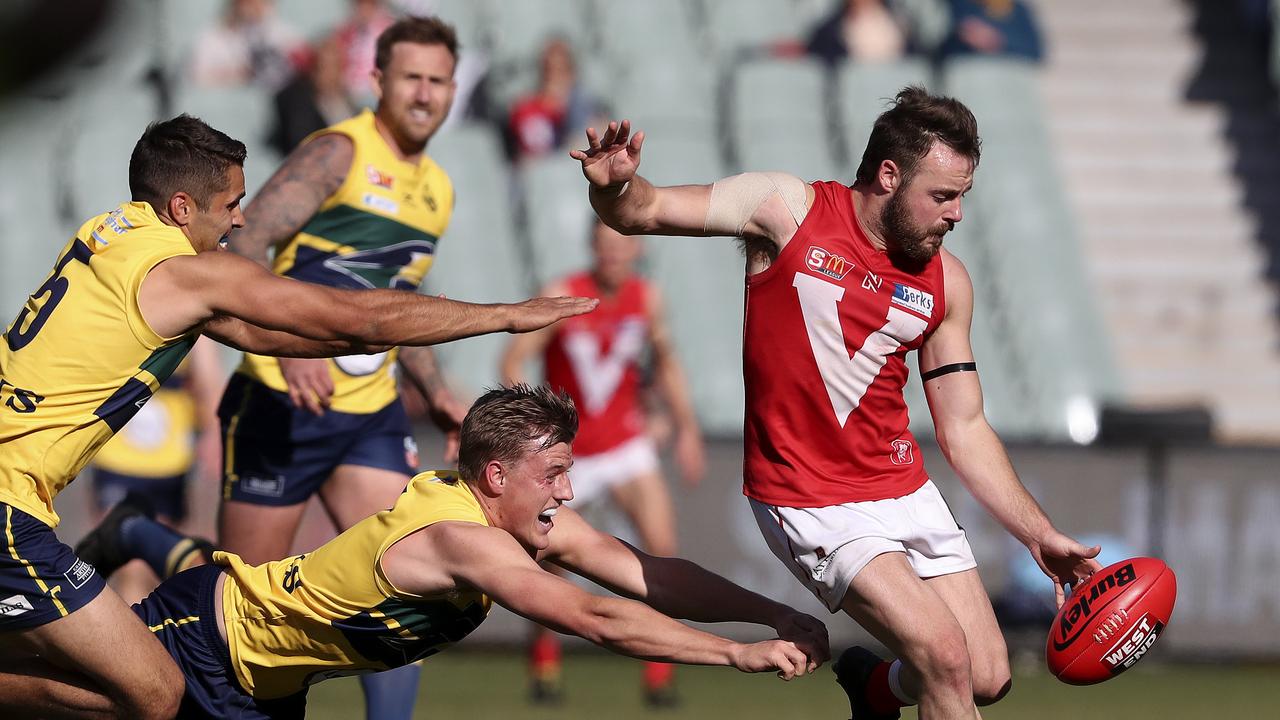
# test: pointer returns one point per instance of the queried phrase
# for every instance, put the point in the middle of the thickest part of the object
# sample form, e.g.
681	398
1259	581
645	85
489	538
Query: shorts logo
901	454
377	202
257	485
821	261
824	563
79	574
411	452
377	177
14	605
913	299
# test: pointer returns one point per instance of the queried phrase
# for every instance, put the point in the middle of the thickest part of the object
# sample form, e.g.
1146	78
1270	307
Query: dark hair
905	132
183	154
421	30
502	423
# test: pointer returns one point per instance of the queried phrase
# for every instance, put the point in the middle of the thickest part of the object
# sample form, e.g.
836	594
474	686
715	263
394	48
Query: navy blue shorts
41	579
277	454
180	613
168	495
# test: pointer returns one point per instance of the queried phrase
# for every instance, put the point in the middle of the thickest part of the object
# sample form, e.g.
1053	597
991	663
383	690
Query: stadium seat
644	32
106	123
737	26
558	217
314	19
477	259
244	113
519	29
780	117
864	90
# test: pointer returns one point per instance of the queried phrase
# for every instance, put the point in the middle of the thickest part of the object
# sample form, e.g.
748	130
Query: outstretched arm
491	561
972	447
188	291
523	348
675	586
769	206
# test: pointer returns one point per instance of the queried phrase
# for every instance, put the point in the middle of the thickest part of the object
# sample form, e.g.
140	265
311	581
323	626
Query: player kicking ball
408	582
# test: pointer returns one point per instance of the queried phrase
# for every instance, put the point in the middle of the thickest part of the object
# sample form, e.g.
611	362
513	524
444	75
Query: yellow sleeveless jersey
379	230
159	442
332	612
80	360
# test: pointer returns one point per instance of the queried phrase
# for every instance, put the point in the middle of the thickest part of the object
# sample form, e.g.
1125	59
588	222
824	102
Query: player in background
842	282
598	363
412	580
152	458
358	205
124	303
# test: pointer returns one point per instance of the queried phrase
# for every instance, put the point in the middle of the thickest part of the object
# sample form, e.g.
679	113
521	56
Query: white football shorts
592	475
826	547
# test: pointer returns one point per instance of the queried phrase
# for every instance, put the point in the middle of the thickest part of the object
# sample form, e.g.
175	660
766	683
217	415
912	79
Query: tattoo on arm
293	195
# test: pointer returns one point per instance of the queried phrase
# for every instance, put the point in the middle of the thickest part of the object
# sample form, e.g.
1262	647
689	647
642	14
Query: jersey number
847	378
56	286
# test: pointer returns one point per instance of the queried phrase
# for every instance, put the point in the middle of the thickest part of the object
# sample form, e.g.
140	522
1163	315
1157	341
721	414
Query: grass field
490	685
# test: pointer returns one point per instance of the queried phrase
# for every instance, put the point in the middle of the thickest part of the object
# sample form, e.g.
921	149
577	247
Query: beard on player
906	240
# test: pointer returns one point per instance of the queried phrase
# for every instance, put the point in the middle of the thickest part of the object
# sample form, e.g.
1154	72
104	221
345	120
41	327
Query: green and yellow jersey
159	442
379	230
80	360
332	612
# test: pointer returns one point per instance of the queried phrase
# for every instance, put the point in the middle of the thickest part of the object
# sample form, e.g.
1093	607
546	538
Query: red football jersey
828	326
595	358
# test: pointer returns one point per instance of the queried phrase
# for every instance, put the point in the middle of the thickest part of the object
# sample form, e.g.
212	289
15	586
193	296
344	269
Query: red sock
544	657
658	675
879	696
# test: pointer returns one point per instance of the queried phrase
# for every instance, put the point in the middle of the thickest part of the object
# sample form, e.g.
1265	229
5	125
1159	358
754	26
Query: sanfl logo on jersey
913	299
377	177
829	264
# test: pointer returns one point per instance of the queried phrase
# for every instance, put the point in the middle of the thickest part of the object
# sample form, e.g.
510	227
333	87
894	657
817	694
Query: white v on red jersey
595	358
827	329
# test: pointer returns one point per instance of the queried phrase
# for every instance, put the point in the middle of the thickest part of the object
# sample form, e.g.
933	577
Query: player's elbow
598	622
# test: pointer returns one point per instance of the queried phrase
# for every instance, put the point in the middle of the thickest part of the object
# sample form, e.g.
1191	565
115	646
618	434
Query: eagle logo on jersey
823	261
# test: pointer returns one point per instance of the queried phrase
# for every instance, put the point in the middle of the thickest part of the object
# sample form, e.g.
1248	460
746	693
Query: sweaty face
534	488
211	226
921	211
415	92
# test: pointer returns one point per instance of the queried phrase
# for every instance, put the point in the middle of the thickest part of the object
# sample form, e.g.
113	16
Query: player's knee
990	689
944	658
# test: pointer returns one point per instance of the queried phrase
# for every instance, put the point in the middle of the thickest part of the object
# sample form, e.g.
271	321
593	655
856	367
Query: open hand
540	312
611	160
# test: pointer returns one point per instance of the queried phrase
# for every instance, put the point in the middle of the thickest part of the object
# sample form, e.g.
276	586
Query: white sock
895	684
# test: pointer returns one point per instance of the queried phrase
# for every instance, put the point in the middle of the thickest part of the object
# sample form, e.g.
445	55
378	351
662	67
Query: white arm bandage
734	200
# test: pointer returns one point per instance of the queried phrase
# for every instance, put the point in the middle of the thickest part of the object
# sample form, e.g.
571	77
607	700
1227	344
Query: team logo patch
902	453
913	299
14	605
821	261
379	178
79	574
258	485
377	202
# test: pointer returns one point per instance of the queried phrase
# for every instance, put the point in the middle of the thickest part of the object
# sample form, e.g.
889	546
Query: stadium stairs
1169	232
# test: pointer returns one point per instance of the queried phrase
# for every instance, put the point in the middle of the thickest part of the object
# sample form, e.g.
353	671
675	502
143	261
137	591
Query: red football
1108	623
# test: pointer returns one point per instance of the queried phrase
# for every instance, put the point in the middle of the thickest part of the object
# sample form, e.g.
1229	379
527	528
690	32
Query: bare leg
913	621
258	533
647	503
354	492
988	656
116	657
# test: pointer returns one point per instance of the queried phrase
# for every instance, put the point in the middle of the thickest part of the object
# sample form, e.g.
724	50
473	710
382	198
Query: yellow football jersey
80	359
159	442
332	612
379	230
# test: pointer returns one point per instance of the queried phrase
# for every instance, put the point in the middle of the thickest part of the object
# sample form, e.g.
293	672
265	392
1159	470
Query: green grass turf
482	685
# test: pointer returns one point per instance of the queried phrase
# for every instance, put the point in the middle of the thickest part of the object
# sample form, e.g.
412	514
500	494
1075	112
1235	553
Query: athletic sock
881	695
164	550
658	675
544	658
390	694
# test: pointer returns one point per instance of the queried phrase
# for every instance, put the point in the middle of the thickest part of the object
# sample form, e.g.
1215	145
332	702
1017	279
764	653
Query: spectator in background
249	46
312	100
860	30
356	40
993	27
539	123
